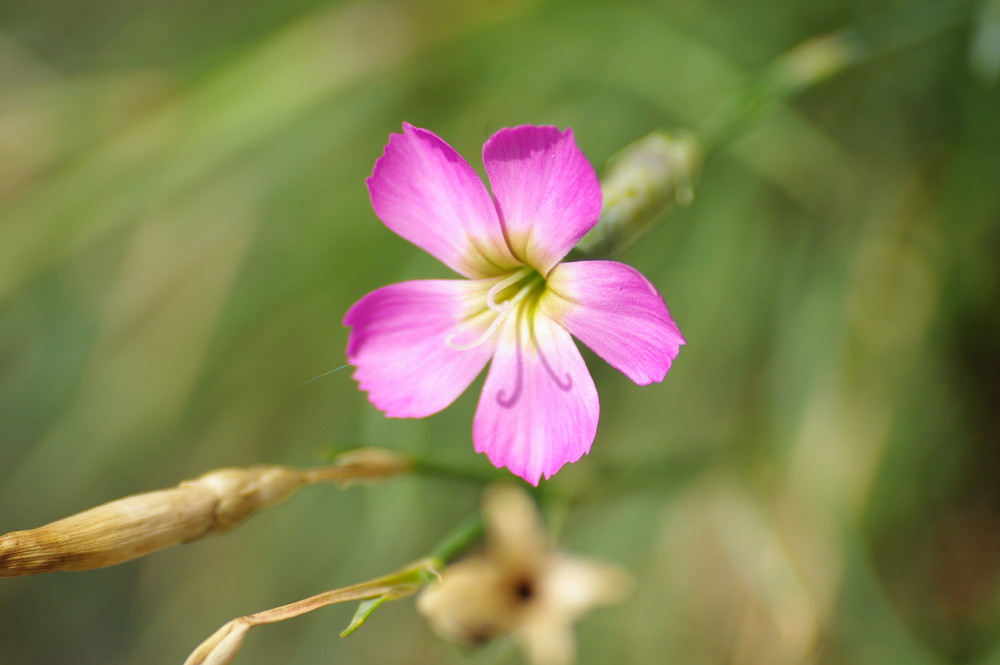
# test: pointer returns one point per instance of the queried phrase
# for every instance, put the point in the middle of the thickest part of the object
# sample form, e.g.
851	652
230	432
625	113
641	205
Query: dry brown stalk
221	648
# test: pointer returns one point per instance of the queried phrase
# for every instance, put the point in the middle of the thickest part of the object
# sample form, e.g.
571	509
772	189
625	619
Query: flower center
503	298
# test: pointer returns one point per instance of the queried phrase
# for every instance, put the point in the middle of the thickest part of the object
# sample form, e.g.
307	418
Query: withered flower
519	585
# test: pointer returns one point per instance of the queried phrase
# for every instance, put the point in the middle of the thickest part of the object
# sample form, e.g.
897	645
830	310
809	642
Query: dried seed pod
137	525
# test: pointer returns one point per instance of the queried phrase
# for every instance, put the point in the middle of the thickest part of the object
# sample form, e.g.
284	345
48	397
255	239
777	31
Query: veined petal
399	344
539	408
618	313
546	191
424	191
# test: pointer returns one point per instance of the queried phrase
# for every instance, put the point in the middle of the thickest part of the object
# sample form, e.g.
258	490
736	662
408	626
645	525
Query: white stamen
450	340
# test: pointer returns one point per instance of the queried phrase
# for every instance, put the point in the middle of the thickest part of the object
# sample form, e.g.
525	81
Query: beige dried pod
137	525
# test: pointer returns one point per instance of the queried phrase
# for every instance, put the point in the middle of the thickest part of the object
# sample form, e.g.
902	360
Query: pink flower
418	345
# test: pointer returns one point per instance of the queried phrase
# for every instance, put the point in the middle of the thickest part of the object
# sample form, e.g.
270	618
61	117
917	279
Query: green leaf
365	610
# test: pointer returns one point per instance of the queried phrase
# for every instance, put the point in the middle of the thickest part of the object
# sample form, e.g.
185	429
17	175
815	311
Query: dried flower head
519	585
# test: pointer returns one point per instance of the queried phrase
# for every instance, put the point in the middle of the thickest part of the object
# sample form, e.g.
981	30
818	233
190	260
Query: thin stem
818	58
223	645
432	468
650	176
458	540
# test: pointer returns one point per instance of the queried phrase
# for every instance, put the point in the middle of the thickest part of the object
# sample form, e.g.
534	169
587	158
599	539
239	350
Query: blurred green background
184	221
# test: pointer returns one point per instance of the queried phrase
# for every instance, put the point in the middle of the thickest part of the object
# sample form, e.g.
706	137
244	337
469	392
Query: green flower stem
654	174
818	58
458	540
797	70
431	467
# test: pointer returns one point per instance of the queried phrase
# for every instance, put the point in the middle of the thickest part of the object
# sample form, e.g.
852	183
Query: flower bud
646	178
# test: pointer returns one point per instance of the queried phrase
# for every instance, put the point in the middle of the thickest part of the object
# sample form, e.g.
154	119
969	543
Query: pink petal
399	344
424	191
545	189
618	313
539	406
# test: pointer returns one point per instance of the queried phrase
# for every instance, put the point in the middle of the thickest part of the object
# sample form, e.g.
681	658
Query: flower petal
547	639
618	313
546	191
470	603
424	191
399	344
575	585
515	534
539	406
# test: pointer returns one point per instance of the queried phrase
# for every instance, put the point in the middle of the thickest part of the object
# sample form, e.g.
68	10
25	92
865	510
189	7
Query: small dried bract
520	586
137	525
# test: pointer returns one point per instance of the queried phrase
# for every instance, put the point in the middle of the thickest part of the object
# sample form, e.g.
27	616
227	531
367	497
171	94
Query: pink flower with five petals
417	345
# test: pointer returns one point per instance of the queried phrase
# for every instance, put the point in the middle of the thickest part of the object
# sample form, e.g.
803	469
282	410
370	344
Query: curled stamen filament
491	295
450	340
